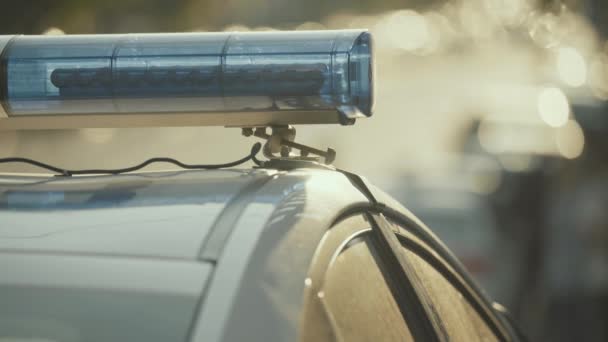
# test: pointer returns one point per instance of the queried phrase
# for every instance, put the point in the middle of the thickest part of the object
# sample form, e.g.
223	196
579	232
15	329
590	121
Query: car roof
166	215
161	215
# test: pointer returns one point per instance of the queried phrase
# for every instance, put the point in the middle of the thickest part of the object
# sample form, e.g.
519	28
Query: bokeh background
490	124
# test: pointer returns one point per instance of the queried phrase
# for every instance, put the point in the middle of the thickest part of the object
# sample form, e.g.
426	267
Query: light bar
184	79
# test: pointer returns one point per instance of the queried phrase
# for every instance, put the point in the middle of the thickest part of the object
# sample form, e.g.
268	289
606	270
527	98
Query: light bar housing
185	79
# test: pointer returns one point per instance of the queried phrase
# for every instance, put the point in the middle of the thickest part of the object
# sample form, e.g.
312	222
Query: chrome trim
229	119
4	39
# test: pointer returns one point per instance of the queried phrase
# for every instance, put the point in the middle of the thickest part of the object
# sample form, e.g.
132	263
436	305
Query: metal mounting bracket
280	143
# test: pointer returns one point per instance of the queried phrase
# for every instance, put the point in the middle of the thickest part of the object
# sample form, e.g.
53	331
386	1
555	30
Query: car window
92	315
459	319
69	298
359	298
348	297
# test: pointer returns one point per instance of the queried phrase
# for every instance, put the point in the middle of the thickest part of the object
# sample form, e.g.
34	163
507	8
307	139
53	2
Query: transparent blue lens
190	72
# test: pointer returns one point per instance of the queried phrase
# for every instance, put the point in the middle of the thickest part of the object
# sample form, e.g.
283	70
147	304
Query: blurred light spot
320	294
516	163
53	31
571	67
570	140
308	282
475	20
407	30
310	26
553	107
97	135
542	30
486	183
236	28
509	12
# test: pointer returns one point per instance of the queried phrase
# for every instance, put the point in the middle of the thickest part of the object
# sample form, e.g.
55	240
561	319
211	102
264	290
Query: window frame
416	298
436	254
452	278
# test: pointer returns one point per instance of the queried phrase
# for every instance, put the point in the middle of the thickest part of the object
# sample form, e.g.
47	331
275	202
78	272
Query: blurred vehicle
550	175
532	155
576	257
293	249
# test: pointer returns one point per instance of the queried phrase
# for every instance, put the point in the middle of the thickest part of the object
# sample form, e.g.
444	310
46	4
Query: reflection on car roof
164	215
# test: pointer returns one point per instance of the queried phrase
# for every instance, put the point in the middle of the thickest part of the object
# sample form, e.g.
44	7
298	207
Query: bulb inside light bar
186	73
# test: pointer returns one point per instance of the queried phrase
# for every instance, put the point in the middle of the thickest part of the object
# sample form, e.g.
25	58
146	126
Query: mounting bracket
280	143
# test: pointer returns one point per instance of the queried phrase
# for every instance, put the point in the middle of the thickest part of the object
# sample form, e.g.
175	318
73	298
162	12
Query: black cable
256	160
255	149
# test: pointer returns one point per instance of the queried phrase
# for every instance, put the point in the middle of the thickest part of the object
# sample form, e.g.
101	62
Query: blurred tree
88	16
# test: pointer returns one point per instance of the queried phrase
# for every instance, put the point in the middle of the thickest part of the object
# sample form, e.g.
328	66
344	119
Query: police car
292	249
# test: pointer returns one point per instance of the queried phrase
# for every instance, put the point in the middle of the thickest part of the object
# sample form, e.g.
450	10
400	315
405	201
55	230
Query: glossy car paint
161	215
257	289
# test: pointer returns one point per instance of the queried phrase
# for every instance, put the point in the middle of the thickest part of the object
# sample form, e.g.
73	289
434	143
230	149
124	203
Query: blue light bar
266	77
